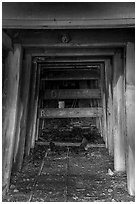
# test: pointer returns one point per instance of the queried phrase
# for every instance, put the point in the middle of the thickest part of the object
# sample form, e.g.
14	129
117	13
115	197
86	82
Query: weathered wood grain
12	66
24	101
118	113
72	94
70	112
130	116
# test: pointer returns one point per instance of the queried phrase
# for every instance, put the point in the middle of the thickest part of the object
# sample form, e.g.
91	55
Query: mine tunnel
68	102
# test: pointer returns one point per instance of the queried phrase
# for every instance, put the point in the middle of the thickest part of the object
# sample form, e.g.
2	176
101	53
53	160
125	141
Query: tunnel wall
10	98
130	117
18	100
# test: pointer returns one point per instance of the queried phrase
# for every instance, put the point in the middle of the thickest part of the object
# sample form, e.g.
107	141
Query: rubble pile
70	130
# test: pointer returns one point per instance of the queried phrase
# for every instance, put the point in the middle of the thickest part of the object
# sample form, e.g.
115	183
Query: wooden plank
118	113
70	144
24	100
31	110
17	134
101	83
72	94
107	38
109	107
34	131
104	101
61	66
71	64
67	24
67	60
38	105
37	51
70	112
130	116
104	120
12	66
71	75
70	68
110	122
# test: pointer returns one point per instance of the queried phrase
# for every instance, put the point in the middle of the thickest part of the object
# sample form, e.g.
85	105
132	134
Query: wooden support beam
34	130
70	112
6	42
130	116
72	64
66	59
70	67
68	51
31	112
19	116
72	94
70	144
118	113
105	102
110	121
67	24
10	99
80	38
38	106
24	94
109	107
104	118
71	75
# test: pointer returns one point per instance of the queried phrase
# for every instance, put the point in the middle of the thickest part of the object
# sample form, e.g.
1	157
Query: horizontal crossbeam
70	112
72	94
71	75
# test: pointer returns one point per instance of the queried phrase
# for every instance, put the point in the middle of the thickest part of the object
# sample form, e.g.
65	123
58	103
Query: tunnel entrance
70	89
70	117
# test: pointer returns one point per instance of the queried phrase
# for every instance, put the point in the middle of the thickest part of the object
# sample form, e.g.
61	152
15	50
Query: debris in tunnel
110	172
70	130
87	178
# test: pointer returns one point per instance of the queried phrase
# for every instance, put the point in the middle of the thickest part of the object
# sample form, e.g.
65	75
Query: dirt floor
68	175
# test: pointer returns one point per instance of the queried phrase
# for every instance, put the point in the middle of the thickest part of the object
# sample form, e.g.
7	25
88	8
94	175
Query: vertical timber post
130	116
118	113
31	110
109	108
12	66
19	115
103	96
24	99
34	129
37	119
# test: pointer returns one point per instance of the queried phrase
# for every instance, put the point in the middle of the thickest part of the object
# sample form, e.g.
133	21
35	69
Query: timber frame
112	48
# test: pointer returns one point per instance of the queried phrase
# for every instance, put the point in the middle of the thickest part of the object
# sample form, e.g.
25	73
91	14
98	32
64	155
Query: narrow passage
68	175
